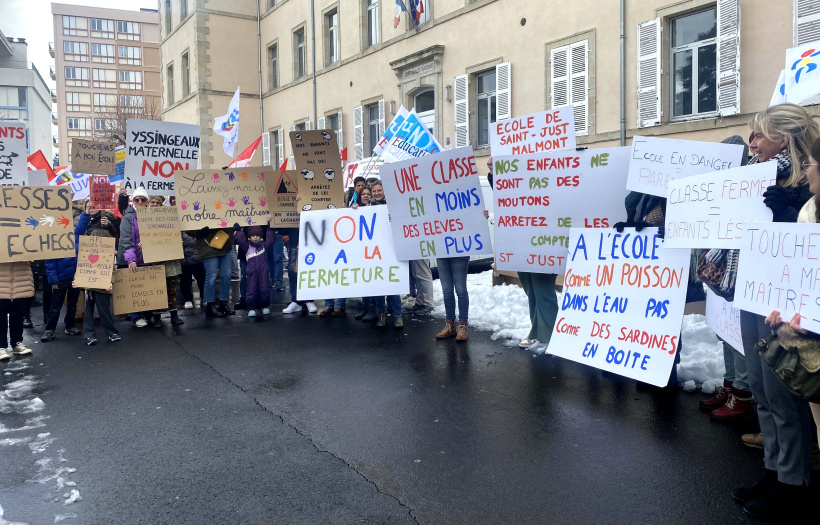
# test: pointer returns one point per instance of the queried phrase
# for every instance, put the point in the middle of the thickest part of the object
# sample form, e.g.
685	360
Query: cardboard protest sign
622	305
724	319
367	168
103	193
88	156
37	178
349	253
657	161
778	270
13	155
78	183
36	223
282	190
538	198
155	150
142	290
316	154
119	164
708	210
219	199
436	206
95	262
551	130
160	235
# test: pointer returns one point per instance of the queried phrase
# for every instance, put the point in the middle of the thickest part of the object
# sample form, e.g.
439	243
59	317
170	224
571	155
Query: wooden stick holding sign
95	262
139	290
316	154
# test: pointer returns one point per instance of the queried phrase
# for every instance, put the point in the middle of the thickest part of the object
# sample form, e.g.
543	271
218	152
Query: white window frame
105	28
104	78
128	30
300	53
78	76
78	102
75	51
693	48
75	25
104	102
130	79
372	23
333	51
131	55
569	85
105	53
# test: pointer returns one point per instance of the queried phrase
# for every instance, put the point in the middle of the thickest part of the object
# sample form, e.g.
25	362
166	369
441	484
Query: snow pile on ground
504	311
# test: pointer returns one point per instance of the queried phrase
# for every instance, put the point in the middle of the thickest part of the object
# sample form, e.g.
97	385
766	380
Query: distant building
24	95
107	70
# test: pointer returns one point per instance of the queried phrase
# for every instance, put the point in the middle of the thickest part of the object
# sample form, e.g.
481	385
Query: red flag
243	160
37	161
284	165
343	154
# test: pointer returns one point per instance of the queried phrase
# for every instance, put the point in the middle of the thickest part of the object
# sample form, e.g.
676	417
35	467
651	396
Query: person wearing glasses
129	251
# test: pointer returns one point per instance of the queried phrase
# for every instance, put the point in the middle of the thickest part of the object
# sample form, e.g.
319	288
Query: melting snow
72	497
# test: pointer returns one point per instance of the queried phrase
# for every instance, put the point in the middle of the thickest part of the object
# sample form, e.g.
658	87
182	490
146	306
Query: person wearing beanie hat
155	201
173	269
129	250
140	192
258	275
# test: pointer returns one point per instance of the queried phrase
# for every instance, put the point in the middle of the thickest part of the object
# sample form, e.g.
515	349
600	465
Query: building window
334	122
76	51
169	81
299	56
13	104
302	126
372	20
105	103
183	9
128	30
485	110
102	53
76	76
274	149
75	26
78	101
102	28
423	11
273	67
103	124
130	55
186	76
694	64
130	79
131	101
79	127
168	26
373	135
569	81
103	78
332	23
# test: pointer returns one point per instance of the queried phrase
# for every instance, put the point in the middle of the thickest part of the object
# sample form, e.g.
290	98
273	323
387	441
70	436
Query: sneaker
197	303
90	341
265	311
20	349
752	440
27	322
526	343
188	305
720	398
48	335
326	312
114	338
72	331
339	311
251	313
293	308
311	307
140	323
4	355
736	407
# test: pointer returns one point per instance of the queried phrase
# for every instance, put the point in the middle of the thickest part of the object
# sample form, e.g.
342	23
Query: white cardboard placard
543	132
155	150
724	319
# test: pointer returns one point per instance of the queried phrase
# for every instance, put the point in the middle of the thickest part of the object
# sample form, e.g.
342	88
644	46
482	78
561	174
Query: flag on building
343	155
243	160
228	126
37	161
416	10
399	8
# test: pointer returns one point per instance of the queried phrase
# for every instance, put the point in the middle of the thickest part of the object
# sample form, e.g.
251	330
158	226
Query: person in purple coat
255	246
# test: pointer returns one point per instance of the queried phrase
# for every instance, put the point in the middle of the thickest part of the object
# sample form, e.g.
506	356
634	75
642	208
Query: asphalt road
301	419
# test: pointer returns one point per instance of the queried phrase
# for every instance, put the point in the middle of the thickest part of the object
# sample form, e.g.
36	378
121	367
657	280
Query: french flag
399	8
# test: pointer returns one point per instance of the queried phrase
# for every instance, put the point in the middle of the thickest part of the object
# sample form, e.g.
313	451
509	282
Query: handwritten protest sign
657	161
779	270
724	319
13	154
103	194
139	291
160	235
436	206
349	253
219	199
622	305
316	154
708	210
282	190
36	223
155	150
95	262
537	201
88	156
551	130
366	168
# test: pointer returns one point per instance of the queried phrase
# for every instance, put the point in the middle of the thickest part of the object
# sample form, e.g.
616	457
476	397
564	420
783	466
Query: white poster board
155	150
13	155
38	178
657	161
724	319
779	270
537	201
348	253
708	210
436	206
622	305
551	130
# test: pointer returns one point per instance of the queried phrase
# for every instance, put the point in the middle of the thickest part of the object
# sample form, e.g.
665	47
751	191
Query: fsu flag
228	126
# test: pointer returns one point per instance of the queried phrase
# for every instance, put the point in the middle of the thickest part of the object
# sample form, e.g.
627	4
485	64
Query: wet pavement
302	419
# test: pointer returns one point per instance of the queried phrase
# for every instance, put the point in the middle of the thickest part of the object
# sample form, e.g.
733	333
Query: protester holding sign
782	134
129	251
192	268
215	250
60	276
16	288
173	269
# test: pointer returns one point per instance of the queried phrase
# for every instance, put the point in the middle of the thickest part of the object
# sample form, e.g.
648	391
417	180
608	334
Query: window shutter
280	146
579	88
559	76
381	118
728	57
266	149
358	133
339	134
503	94
321	121
462	110
649	73
806	21
307	124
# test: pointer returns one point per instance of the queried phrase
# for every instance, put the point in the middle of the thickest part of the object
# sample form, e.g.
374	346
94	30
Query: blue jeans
276	259
452	272
341	303
395	300
735	367
221	265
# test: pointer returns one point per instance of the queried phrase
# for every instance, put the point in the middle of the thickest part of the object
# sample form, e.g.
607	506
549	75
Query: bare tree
129	104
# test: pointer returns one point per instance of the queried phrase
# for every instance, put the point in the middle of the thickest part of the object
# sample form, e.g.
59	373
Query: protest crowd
223	267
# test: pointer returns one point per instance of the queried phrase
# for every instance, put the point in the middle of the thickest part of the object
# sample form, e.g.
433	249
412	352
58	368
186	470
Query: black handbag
795	360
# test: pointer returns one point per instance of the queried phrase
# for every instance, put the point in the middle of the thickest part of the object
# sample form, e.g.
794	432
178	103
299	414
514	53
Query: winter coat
808	213
255	252
191	256
204	249
113	227
129	251
16	280
797	197
63	269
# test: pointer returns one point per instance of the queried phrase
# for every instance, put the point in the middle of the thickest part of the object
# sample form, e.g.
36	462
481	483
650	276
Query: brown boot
461	332
739	405
721	396
449	330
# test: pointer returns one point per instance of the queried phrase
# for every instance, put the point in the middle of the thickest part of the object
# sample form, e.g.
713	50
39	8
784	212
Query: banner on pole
219	199
547	131
155	150
88	156
316	154
95	262
160	235
13	155
141	290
